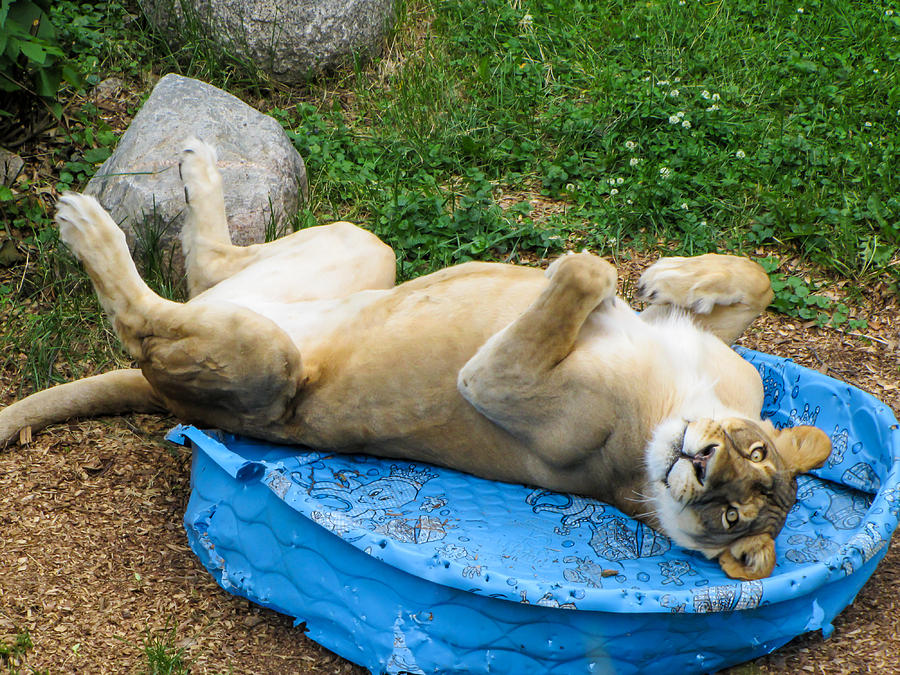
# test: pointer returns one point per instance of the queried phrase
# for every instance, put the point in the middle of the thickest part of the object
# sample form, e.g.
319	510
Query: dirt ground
94	560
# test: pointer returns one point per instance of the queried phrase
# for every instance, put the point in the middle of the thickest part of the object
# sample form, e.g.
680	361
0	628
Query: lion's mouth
699	461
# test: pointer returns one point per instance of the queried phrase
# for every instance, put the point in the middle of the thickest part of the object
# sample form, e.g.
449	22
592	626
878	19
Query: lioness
507	372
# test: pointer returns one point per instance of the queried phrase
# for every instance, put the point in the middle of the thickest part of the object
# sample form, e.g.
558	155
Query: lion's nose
701	460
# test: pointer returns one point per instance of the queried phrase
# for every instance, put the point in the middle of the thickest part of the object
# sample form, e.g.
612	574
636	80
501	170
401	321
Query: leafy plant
31	60
796	297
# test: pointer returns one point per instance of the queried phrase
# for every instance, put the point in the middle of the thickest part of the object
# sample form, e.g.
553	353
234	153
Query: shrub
32	64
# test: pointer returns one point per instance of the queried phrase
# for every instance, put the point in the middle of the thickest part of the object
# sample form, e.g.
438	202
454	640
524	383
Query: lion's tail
118	391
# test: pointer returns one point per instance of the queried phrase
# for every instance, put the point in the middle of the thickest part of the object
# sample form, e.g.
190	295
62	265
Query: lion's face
724	487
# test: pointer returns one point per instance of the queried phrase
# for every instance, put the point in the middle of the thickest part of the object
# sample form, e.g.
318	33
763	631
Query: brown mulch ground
94	561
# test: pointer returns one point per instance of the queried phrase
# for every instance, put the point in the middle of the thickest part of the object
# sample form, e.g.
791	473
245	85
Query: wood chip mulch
94	560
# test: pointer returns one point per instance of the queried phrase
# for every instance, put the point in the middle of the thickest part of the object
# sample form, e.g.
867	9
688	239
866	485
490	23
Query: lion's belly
382	368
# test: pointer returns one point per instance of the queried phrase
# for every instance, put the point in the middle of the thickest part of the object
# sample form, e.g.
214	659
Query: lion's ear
749	558
802	448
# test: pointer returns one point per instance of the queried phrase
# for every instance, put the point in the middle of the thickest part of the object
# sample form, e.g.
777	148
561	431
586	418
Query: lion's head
724	487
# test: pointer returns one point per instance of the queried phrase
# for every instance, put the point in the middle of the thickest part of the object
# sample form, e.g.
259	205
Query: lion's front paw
702	282
197	168
586	273
87	229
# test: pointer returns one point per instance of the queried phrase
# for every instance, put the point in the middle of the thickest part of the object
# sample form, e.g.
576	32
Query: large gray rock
288	40
263	176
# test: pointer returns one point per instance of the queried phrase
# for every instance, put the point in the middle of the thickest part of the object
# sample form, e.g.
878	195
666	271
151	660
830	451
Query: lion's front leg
522	378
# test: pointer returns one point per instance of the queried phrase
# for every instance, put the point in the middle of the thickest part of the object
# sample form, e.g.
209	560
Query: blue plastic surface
406	567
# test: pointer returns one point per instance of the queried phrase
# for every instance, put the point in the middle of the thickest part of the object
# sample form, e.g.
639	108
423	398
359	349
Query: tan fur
507	372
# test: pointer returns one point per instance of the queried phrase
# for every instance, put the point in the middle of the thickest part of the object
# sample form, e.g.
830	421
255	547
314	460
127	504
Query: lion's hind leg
328	261
95	239
723	293
209	255
208	362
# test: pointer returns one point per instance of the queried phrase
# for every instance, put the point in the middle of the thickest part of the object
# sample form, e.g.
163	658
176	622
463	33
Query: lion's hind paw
698	284
197	167
85	227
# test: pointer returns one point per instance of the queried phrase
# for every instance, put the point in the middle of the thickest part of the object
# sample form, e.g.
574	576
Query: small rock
252	620
108	91
9	254
10	166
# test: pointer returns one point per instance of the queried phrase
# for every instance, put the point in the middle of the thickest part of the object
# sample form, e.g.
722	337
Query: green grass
735	124
704	124
13	655
162	656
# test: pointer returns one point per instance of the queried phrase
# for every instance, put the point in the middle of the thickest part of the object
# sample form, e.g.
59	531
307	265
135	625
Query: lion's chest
665	366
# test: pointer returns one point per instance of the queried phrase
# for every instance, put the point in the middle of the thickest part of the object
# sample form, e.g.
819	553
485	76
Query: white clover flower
614	192
702	223
686	124
705	94
665	171
875	70
799	10
868	125
570	187
713	107
680	114
630	145
662	83
629	201
682	2
674	119
526	21
740	154
620	180
677	80
888	12
674	93
684	206
634	161
611	181
715	97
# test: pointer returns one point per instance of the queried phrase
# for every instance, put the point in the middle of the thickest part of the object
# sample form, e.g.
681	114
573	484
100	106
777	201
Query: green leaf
876	208
47	84
97	155
34	52
71	75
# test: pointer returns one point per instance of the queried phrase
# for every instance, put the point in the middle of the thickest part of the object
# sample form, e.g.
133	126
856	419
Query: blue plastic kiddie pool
405	567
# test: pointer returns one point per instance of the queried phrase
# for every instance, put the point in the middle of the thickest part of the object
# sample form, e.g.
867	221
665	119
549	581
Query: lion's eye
731	516
757	452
